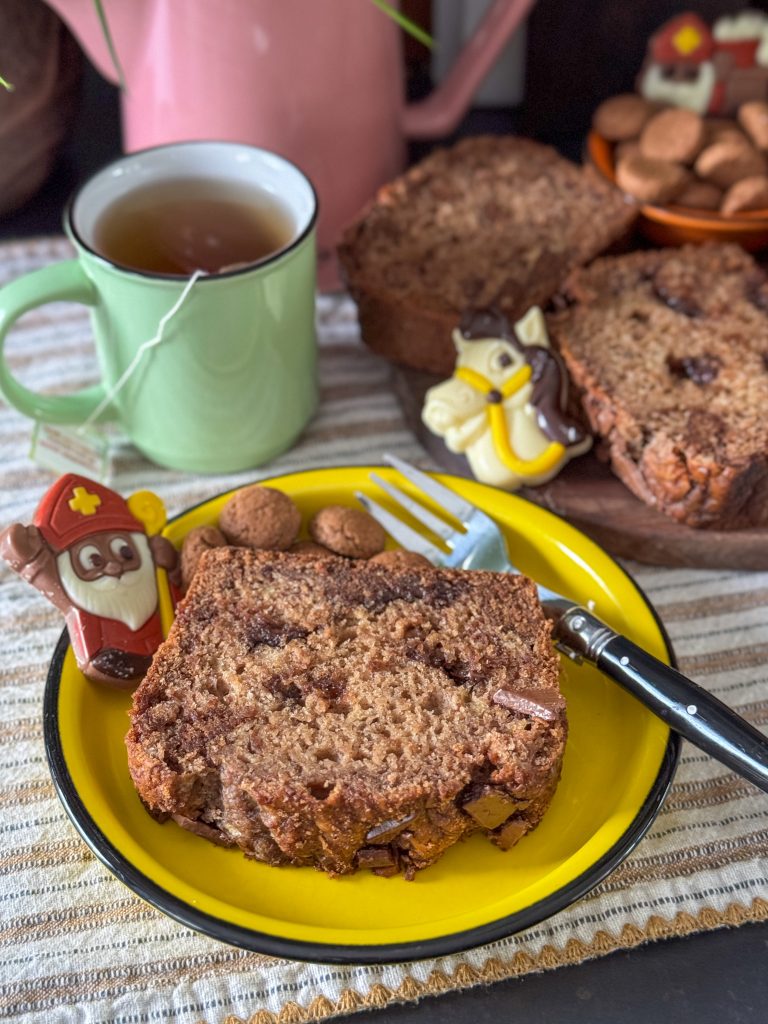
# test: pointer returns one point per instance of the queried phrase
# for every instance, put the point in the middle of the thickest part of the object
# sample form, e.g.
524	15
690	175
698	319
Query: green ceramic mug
233	381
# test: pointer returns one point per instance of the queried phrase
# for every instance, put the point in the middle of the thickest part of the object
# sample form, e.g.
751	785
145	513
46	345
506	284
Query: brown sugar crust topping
198	540
354	726
347	531
666	350
260	517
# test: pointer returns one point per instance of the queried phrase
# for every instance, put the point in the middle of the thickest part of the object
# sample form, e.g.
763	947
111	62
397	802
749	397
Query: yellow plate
618	765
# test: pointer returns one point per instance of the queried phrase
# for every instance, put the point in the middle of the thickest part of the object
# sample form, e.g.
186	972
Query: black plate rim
333	953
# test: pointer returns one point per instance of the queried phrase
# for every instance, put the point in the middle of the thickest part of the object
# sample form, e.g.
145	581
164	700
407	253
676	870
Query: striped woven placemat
78	946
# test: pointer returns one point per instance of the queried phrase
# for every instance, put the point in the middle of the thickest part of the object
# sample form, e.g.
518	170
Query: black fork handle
686	707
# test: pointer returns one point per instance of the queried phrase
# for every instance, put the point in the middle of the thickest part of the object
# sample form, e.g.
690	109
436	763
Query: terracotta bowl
676	225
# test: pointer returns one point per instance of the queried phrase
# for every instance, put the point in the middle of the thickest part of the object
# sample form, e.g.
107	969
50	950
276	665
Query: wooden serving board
590	497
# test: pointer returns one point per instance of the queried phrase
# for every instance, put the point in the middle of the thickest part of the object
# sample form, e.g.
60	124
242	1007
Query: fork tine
449	500
438	526
399	531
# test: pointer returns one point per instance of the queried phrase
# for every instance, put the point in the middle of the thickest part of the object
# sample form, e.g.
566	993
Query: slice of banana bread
493	221
349	715
669	350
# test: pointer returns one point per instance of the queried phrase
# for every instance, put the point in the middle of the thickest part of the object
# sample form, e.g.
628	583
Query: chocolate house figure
708	70
90	552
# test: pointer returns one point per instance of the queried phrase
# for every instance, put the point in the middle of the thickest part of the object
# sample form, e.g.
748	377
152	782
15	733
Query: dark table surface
718	977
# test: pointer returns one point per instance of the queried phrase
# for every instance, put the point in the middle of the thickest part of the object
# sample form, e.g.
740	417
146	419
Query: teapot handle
441	111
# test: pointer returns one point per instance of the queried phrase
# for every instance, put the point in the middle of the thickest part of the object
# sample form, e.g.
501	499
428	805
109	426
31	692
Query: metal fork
686	707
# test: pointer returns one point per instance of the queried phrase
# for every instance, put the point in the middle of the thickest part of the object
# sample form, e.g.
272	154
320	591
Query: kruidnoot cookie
673	135
667	350
347	531
504	406
754	119
399	558
260	517
622	117
311	549
626	149
651	181
725	163
747	194
198	540
700	195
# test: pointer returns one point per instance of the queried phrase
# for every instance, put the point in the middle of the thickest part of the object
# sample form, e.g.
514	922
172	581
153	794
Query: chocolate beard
130	598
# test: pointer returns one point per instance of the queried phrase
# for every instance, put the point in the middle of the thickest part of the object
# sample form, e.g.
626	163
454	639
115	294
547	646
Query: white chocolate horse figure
504	406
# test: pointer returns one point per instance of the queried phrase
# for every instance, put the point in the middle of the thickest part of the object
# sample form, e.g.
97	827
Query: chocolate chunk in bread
666	349
493	221
399	558
340	714
700	195
510	834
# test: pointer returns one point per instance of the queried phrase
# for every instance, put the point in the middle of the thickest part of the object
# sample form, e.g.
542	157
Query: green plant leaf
6	85
406	24
110	42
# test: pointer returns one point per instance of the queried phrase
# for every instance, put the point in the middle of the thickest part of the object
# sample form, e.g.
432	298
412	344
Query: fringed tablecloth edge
497	968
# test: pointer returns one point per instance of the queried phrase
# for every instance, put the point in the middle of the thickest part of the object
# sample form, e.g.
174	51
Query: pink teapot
318	81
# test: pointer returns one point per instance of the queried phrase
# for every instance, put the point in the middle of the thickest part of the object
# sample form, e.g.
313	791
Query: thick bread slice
346	715
669	351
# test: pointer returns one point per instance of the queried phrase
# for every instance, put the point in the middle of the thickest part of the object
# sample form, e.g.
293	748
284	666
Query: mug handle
62	281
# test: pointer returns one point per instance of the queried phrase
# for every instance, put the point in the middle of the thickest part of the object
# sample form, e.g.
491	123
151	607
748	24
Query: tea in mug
181	225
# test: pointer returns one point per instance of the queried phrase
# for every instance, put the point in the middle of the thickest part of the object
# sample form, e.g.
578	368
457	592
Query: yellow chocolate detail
84	502
523	467
686	39
543	463
149	510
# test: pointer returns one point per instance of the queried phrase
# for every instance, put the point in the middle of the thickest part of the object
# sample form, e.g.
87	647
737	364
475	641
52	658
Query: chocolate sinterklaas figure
93	554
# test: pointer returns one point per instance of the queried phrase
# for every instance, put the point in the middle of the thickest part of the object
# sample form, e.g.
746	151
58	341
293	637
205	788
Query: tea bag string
145	346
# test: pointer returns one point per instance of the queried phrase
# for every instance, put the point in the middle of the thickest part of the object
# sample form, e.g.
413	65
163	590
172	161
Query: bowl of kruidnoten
341	753
698	178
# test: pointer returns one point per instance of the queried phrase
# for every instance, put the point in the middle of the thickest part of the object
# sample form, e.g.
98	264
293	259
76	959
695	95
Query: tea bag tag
71	450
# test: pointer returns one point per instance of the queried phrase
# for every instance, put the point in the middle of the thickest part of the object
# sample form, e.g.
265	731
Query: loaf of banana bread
493	221
669	351
349	715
